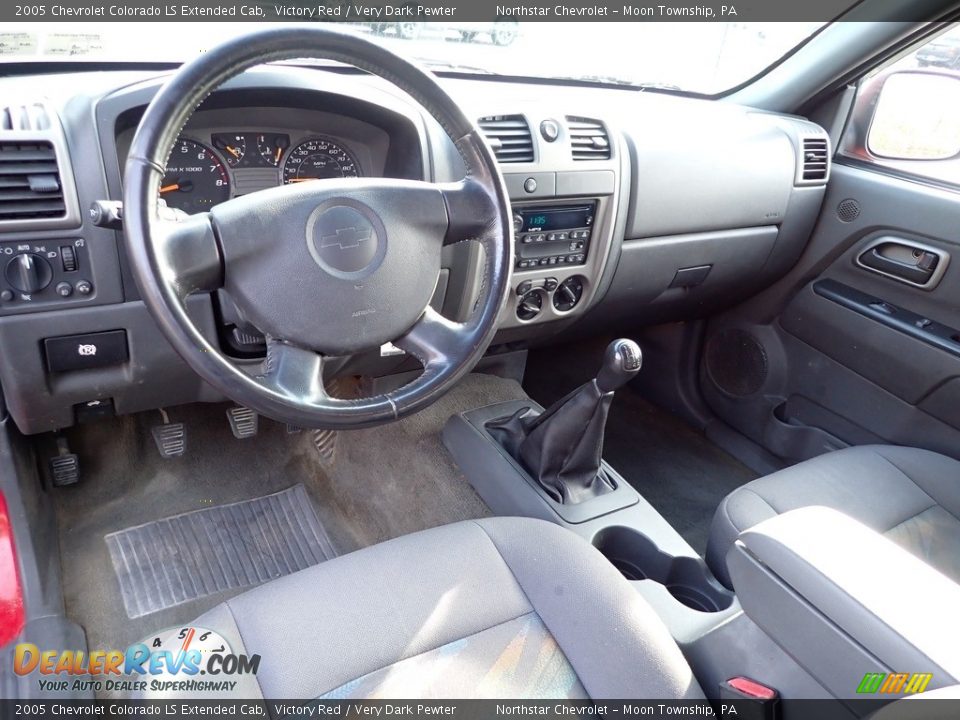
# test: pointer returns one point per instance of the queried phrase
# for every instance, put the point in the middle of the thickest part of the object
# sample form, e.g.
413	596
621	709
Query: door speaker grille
848	210
736	362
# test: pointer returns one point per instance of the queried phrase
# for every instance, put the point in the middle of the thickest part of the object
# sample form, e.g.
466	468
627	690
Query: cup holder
686	578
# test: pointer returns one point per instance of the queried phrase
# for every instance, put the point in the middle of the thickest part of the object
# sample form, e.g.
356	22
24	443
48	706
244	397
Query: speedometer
317	159
195	180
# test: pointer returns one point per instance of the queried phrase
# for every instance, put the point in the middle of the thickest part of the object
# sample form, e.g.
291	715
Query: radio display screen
541	219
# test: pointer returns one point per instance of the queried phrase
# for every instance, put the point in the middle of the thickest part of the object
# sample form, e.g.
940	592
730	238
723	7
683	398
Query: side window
907	114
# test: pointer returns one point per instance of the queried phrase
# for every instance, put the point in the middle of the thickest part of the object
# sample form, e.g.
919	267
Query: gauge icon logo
346	238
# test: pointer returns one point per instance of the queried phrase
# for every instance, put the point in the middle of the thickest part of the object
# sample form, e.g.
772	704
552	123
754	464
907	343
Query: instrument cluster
200	175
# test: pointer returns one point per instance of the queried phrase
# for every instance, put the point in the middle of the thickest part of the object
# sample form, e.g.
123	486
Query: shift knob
621	362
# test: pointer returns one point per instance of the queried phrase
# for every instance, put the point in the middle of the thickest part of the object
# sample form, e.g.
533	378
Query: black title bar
470	10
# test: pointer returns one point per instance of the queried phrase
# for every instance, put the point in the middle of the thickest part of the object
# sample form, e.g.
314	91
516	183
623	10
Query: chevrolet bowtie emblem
344	238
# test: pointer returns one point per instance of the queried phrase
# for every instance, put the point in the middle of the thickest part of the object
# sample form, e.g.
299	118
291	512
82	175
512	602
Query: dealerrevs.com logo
181	659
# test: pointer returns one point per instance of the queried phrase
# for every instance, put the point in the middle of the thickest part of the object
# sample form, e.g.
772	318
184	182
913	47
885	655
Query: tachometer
195	179
317	159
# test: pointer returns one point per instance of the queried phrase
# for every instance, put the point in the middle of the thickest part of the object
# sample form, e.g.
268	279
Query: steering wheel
323	268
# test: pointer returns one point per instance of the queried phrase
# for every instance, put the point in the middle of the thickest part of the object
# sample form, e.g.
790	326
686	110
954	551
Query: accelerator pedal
171	438
244	422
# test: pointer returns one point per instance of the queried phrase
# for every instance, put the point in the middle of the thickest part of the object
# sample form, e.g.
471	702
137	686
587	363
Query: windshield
696	57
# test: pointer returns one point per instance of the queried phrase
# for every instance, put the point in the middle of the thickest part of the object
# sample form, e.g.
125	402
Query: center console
560	248
568	215
525	460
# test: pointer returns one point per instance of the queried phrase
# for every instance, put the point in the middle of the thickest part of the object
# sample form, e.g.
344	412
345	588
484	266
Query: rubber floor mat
185	557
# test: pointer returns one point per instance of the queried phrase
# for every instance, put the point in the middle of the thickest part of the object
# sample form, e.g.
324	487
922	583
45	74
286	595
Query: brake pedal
65	465
171	438
244	422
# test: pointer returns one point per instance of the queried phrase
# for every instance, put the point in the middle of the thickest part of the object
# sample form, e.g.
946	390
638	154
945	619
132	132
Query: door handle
904	261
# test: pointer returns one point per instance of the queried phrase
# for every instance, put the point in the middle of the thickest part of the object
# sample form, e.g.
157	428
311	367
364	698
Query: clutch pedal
244	422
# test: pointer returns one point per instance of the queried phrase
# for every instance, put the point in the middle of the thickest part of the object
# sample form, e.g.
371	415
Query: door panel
852	353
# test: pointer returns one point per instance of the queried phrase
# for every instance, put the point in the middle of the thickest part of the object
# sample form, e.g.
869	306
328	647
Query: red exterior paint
11	593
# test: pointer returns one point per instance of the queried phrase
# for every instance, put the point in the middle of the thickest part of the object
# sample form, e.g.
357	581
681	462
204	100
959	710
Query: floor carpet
366	486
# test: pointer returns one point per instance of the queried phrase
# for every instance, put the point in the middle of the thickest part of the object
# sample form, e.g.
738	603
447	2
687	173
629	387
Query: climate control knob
28	273
530	305
568	294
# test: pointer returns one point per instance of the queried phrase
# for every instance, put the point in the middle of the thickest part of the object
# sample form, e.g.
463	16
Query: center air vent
816	160
509	136
29	181
588	139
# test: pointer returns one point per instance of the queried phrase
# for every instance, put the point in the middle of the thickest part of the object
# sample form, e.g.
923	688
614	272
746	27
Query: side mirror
916	116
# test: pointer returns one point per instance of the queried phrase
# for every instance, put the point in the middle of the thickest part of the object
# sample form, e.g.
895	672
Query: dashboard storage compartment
669	276
687	579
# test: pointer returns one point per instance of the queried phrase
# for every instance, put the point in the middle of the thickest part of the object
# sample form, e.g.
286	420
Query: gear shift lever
562	447
621	363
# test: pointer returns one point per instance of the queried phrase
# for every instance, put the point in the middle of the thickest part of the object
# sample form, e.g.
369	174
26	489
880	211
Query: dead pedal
171	439
244	422
65	465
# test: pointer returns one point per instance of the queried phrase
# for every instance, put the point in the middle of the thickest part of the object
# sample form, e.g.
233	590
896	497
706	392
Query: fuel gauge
232	146
272	147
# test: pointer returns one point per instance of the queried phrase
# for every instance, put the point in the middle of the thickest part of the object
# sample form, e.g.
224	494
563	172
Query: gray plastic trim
154	376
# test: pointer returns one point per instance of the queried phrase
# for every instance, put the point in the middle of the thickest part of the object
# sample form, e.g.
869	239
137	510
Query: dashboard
629	208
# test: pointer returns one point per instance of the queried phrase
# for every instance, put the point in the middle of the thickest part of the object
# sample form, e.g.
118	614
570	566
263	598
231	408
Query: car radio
553	235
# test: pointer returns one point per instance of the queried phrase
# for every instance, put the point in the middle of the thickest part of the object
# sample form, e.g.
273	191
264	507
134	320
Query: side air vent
29	181
588	139
24	117
815	167
509	136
